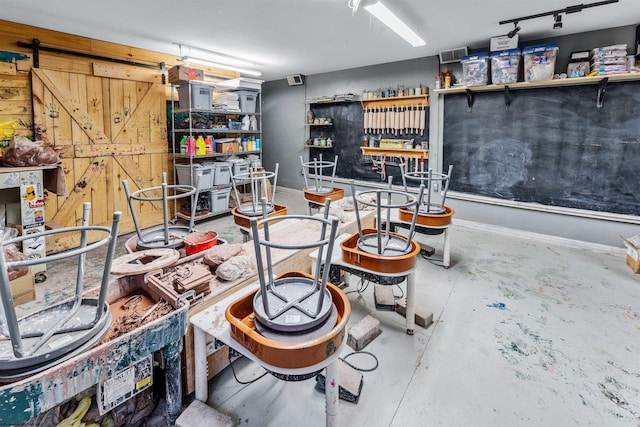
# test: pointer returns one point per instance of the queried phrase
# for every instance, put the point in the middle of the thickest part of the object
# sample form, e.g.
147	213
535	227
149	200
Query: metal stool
317	166
428	179
293	304
259	181
168	236
56	333
384	242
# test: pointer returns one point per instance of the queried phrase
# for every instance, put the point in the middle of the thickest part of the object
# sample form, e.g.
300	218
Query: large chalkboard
552	146
347	132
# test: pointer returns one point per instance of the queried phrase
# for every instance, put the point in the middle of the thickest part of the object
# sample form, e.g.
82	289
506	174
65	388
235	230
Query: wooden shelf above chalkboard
395	152
592	80
317	146
398	101
318	124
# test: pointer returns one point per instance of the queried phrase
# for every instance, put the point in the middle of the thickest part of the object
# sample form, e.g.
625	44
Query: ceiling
283	37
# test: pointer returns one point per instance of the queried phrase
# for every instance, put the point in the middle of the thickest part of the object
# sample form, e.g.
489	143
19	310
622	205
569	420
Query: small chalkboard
347	132
552	146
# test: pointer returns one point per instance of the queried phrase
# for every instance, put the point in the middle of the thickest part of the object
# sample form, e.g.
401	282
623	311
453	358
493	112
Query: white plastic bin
219	199
221	172
201	96
247	101
205	173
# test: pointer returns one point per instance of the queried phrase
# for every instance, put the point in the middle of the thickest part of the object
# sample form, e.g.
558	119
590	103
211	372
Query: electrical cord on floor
344	359
401	292
362	286
236	377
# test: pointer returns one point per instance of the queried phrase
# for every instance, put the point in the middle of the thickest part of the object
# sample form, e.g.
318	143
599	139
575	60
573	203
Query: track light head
557	21
515	30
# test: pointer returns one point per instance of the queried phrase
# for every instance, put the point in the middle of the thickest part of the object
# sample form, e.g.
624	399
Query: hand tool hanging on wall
383	120
365	120
375	121
423	117
372	117
407	113
417	120
392	114
412	120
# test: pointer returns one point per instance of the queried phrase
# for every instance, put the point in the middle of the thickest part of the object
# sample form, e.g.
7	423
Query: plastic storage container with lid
540	62
475	69
200	96
504	66
219	199
201	171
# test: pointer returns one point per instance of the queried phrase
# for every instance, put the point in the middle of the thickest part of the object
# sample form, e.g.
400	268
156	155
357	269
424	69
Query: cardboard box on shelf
633	252
226	147
182	74
23	288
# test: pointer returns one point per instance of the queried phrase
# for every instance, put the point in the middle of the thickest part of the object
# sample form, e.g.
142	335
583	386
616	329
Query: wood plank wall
15	85
16	104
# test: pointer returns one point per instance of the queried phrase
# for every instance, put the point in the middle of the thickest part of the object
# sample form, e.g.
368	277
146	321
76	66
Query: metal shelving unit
192	159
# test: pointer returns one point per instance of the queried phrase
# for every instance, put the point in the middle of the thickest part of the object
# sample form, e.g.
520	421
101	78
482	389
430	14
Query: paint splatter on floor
498	305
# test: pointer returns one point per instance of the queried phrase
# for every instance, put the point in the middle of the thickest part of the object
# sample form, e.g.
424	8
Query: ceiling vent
295	79
453	55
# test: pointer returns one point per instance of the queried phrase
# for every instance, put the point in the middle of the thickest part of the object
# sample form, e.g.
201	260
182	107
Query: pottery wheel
155	238
395	246
434	209
257	211
320	190
310	334
296	317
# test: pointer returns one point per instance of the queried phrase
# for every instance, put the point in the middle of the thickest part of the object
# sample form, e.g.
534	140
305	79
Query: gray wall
284	110
284	135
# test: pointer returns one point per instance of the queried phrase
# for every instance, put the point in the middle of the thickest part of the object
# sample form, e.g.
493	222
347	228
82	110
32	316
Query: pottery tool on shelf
365	119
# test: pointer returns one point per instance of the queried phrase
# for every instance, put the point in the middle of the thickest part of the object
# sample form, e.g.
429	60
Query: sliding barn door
106	130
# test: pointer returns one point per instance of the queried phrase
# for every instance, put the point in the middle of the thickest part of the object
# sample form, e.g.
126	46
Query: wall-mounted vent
453	55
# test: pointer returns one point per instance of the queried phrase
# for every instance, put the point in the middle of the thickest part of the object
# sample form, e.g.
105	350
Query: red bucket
199	241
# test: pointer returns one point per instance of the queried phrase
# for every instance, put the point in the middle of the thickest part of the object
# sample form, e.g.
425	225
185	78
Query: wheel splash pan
59	346
287	354
244	220
428	219
294	319
11	375
322	196
351	254
155	238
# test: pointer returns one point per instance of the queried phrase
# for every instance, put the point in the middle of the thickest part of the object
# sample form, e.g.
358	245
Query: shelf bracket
469	99
602	88
507	98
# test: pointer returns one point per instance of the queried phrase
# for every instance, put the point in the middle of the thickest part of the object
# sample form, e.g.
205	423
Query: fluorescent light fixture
248	71
388	18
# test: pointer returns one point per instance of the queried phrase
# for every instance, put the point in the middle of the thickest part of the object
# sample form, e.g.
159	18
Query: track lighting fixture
515	30
557	14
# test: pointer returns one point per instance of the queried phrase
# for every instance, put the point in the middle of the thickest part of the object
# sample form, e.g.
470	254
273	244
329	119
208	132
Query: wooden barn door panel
107	130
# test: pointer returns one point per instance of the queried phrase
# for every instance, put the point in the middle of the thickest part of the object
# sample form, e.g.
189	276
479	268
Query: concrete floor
529	330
